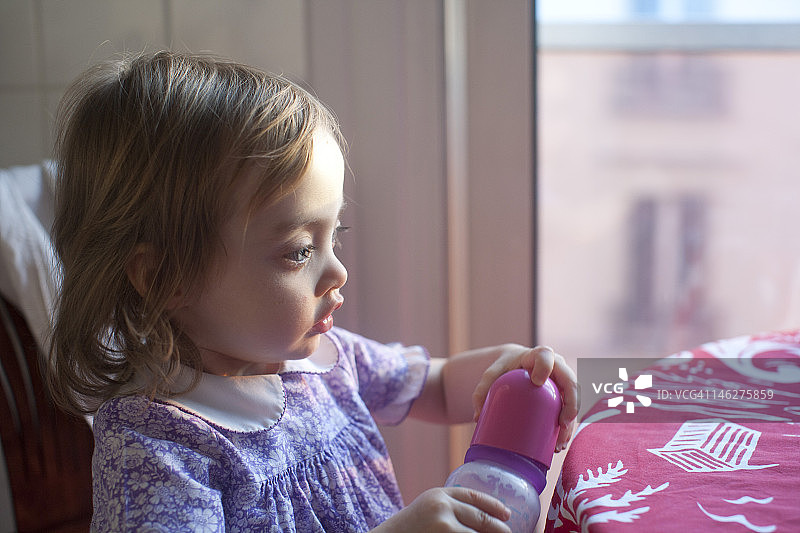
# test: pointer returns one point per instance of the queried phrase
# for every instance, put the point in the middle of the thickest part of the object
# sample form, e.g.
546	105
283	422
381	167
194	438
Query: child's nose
334	276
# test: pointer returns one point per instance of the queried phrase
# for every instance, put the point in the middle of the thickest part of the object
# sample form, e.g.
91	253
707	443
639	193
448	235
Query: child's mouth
325	325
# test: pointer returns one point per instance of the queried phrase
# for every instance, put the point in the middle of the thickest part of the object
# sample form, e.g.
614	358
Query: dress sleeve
390	376
146	483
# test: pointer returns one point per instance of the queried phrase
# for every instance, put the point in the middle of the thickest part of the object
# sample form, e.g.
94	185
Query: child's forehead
315	198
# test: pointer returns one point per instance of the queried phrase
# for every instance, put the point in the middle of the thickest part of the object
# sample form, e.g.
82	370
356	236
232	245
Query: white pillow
28	266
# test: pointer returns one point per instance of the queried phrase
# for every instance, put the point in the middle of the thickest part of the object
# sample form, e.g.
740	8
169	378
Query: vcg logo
644	381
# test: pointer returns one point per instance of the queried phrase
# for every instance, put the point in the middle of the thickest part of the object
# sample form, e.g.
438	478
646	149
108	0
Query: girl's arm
457	386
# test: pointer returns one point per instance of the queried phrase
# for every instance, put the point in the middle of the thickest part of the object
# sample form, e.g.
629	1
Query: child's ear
141	270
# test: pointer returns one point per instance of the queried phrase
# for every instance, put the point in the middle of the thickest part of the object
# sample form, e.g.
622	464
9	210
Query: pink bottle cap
520	417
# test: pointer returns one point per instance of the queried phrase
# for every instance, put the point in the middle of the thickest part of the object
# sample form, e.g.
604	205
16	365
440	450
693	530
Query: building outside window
667	173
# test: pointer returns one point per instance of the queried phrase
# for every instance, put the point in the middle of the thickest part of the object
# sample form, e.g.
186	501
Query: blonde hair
147	150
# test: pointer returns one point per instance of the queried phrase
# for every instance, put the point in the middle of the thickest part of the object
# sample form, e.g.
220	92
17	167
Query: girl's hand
541	362
450	509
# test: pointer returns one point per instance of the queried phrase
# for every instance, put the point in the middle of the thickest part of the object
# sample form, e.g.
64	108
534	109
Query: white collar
249	403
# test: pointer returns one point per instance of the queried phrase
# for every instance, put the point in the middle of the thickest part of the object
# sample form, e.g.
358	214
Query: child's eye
337	232
302	255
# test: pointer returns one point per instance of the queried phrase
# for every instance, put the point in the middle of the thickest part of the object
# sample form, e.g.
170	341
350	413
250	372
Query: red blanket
713	445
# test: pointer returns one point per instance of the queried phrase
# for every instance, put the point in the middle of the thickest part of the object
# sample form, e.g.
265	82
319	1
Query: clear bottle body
517	493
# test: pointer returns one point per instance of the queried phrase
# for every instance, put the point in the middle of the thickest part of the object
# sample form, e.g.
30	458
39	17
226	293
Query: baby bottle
512	447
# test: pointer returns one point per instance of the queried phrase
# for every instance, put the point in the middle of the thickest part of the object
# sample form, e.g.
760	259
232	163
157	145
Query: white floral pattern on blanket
574	507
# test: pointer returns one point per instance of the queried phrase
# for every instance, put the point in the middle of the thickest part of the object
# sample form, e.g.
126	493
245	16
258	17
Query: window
667	172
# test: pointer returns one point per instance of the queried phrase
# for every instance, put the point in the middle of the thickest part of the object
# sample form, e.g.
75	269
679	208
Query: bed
705	440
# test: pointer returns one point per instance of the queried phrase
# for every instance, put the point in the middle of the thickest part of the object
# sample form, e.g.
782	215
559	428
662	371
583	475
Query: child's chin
309	346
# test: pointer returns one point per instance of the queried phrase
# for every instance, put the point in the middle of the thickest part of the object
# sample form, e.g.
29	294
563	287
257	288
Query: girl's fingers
539	363
495	370
511	357
568	385
542	362
480	512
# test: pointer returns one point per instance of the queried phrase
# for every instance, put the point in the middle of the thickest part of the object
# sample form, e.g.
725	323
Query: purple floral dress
294	451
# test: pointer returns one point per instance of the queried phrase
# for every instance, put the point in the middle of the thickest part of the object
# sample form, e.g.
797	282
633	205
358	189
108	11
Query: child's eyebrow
295	225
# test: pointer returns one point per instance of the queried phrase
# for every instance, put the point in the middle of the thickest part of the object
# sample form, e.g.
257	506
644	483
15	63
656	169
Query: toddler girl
198	207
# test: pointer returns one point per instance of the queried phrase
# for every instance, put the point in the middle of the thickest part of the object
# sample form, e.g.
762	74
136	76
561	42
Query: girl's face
276	283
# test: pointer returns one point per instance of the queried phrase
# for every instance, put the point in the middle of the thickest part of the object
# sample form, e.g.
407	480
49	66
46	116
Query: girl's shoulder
141	418
126	407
